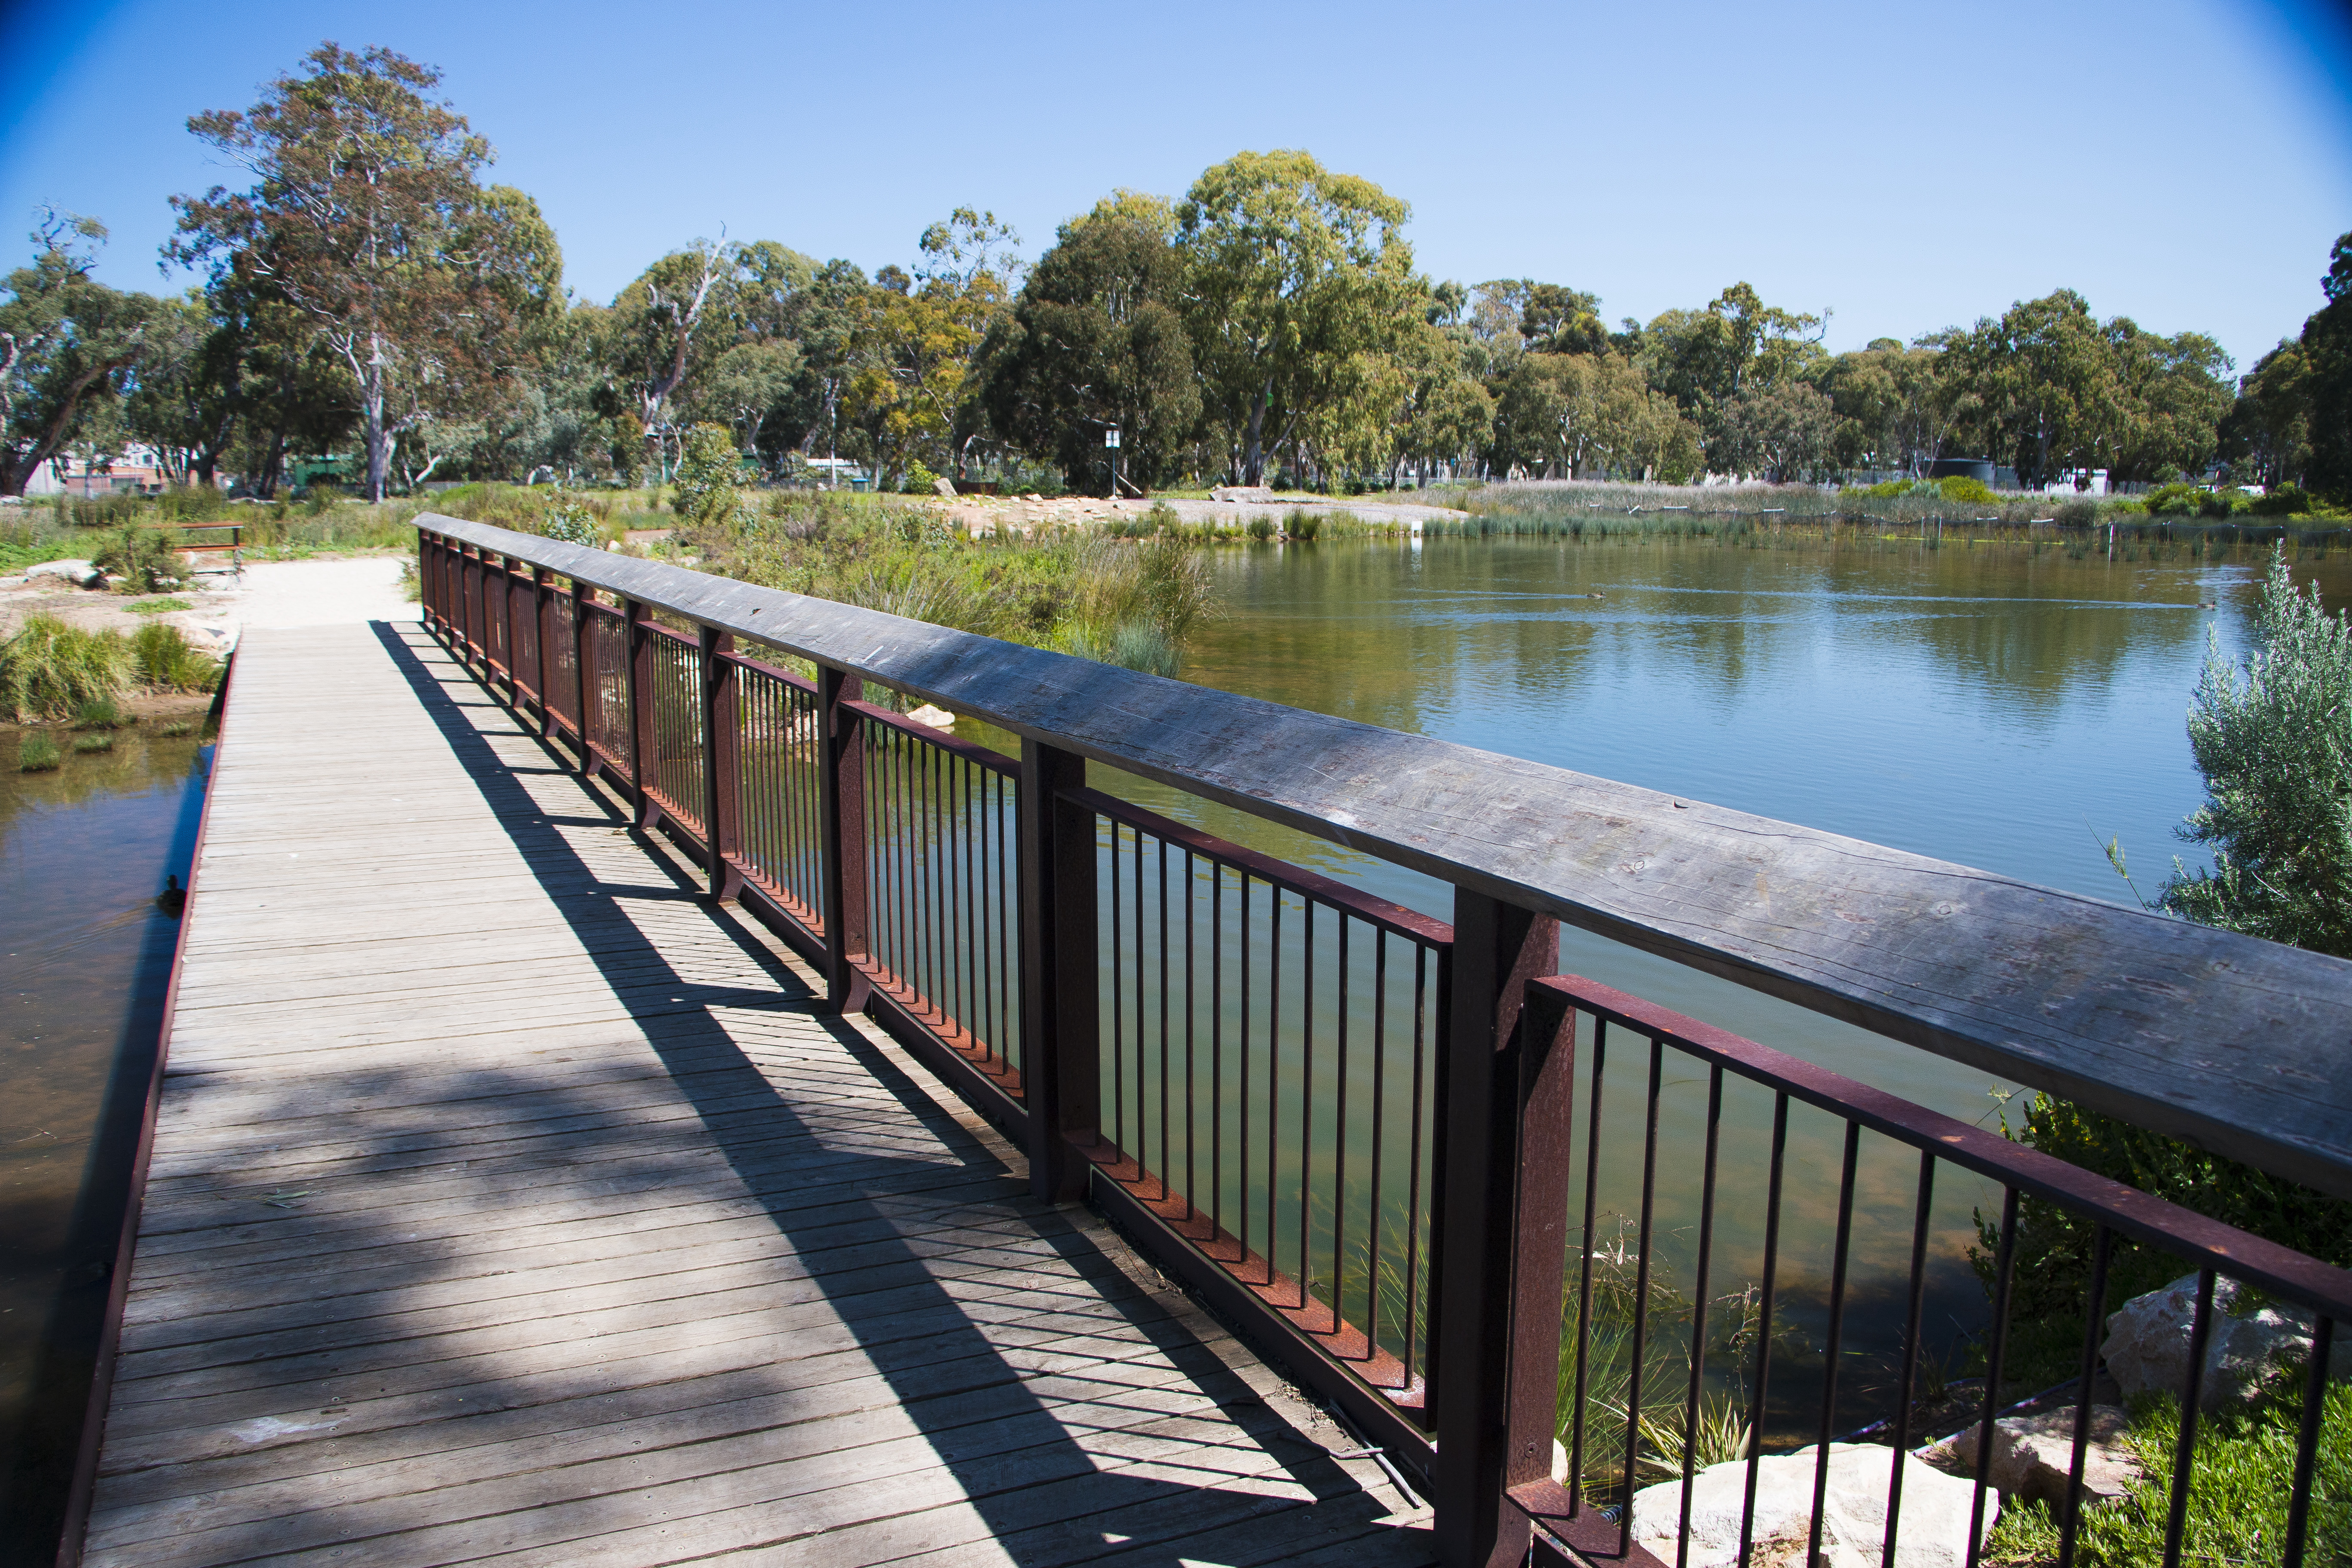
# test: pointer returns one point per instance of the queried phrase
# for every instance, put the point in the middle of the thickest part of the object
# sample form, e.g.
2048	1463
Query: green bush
49	669
2275	744
2173	500
568	520
166	661
1962	488
1301	523
142	557
709	470
104	713
2077	513
2287	500
36	753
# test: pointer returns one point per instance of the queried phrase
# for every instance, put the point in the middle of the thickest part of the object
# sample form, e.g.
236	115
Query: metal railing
1355	1129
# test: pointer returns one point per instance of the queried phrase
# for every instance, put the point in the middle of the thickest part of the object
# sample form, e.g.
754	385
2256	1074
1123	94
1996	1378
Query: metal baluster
1699	1310
1836	1339
1764	1332
1910	1350
2184	1453
2007	1260
1584	1273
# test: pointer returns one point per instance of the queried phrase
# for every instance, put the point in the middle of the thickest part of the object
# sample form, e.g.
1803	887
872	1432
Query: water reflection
83	852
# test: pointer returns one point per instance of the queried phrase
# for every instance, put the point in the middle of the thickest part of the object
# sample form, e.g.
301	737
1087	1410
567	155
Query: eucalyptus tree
1893	404
1097	339
367	216
2326	345
1294	272
68	346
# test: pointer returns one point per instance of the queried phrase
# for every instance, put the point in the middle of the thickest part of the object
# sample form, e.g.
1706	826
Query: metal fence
1356	1130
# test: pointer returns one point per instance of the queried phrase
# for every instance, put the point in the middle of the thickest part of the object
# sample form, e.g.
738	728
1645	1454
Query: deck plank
511	1201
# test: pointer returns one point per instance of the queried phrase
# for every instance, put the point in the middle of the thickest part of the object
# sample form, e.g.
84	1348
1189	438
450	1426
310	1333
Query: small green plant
167	661
2287	500
568	520
1163	518
1261	529
411	587
36	753
177	727
102	713
142	557
1302	524
320	497
1962	488
103	741
158	606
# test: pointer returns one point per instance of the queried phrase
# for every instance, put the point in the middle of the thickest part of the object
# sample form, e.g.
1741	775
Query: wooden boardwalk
509	1203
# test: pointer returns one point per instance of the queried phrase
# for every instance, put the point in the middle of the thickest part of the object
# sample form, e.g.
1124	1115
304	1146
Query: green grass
166	661
101	741
177	727
2239	1487
102	713
158	606
36	753
51	670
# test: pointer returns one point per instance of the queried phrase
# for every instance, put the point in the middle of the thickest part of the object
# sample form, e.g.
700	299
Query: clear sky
2185	163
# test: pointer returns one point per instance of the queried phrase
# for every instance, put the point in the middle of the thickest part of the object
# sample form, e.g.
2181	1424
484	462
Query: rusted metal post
841	838
721	736
1060	1071
1484	1446
642	742
582	680
542	592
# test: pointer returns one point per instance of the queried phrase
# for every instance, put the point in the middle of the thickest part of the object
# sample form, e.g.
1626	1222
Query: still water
1996	705
87	956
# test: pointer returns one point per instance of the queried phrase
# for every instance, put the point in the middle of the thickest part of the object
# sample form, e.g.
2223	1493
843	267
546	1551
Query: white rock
2033	1455
937	718
1933	1532
81	574
2148	1338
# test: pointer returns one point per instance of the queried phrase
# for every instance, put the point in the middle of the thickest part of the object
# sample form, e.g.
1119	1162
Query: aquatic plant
36	753
99	741
102	713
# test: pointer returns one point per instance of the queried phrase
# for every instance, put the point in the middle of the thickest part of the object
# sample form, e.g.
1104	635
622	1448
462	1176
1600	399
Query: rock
937	718
945	487
2033	1455
1933	1532
1241	493
2147	1344
81	574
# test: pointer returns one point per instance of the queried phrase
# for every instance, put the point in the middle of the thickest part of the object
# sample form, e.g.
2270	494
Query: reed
36	753
51	670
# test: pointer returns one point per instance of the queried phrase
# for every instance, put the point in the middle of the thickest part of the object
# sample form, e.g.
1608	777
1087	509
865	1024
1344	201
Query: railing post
841	838
1060	1069
423	574
507	614
721	736
1486	1437
542	592
584	598
642	743
478	621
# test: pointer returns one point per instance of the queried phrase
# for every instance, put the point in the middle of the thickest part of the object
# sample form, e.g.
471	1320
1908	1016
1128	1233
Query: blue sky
2187	162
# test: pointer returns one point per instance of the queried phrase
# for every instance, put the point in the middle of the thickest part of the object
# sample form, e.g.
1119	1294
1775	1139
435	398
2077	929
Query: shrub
101	714
1260	528
569	521
36	753
2274	742
142	557
2078	513
1302	523
708	470
168	662
1962	488
49	669
321	495
2172	500
1162	518
2287	500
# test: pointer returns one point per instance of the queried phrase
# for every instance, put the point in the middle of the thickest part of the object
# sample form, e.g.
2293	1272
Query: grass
101	741
52	670
36	753
2239	1486
158	606
104	713
177	727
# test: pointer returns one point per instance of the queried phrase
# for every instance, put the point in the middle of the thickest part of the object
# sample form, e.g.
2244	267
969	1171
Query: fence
1354	1129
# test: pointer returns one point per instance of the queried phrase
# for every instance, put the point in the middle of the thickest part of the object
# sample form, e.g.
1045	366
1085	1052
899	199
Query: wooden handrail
2241	1045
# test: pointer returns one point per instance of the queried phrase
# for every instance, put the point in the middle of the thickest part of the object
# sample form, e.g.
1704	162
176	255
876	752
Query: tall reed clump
1140	603
51	670
36	753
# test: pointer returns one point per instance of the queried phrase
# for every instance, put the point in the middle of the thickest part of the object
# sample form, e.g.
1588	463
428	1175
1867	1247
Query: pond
83	852
2003	705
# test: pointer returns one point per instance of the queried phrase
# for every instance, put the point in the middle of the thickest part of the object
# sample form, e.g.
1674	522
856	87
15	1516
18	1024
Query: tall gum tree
68	344
367	216
1294	273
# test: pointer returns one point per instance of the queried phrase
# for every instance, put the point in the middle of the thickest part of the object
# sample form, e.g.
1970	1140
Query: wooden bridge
509	1201
630	1099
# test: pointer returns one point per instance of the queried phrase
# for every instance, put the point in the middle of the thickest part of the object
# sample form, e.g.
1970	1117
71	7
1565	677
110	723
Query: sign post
1110	441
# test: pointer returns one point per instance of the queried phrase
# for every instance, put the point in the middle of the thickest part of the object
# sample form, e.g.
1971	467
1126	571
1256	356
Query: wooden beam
2240	1046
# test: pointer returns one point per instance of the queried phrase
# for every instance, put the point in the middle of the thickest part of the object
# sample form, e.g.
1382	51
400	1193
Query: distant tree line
368	294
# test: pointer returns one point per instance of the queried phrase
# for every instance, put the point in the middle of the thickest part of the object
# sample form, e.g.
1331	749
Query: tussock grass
51	670
100	741
166	661
36	753
104	713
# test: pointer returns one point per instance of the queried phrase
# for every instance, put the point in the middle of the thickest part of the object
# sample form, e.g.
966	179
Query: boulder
936	717
81	574
2033	1455
1242	493
2146	1345
1933	1532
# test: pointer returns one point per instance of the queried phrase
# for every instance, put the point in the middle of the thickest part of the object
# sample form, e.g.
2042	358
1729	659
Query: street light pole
1110	441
